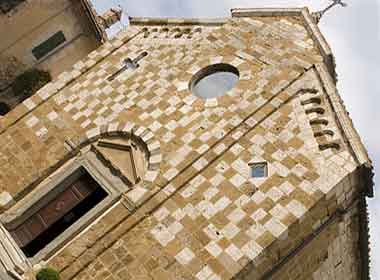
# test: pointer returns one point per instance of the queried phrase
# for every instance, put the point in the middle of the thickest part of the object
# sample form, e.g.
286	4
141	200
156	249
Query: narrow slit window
49	45
129	63
259	170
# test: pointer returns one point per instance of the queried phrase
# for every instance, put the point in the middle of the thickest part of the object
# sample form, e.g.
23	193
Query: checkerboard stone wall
332	255
219	189
89	100
200	216
220	197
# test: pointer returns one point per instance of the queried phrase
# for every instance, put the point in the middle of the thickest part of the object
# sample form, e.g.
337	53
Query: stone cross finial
318	15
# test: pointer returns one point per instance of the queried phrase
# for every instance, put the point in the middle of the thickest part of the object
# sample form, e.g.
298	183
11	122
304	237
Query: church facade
189	149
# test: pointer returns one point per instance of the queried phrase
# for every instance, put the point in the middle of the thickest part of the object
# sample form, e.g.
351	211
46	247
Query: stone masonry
197	213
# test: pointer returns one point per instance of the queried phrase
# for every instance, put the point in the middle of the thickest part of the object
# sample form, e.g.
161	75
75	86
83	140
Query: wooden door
54	210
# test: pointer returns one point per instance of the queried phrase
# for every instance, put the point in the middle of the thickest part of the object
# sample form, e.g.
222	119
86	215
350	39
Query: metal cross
128	64
334	3
318	15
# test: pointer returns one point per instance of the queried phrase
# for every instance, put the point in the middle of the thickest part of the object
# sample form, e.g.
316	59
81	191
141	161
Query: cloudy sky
354	36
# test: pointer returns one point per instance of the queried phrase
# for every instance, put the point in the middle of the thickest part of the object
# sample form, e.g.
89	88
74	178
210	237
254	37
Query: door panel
54	210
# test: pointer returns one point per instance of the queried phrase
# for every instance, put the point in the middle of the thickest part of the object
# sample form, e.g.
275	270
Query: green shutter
50	44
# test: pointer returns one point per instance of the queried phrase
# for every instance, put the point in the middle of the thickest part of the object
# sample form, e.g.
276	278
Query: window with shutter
49	45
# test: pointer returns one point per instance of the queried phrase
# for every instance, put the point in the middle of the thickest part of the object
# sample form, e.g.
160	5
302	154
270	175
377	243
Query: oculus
214	80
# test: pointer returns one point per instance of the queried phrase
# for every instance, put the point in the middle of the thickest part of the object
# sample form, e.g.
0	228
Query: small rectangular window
50	44
259	170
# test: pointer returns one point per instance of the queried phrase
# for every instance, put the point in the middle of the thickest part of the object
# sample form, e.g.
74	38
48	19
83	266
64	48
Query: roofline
346	125
304	13
177	21
310	25
327	74
269	12
91	15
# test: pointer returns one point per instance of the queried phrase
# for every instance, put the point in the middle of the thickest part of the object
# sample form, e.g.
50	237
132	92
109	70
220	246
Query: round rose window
214	80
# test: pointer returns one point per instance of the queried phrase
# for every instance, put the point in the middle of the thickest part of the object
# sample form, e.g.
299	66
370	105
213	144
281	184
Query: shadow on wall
23	86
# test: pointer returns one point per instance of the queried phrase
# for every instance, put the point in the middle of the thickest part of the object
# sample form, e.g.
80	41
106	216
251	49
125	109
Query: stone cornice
177	21
345	122
265	12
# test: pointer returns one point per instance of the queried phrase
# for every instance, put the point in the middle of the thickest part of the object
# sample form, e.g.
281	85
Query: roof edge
310	25
176	21
324	47
265	12
345	122
101	36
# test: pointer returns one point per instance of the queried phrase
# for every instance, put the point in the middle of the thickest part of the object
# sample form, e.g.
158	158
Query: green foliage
4	108
29	82
47	274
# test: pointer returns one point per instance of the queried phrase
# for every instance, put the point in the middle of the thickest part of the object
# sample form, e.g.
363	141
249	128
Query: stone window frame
231	97
85	157
263	165
210	70
39	197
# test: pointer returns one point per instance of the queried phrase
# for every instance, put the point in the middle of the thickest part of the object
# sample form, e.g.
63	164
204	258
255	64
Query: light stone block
5	199
214	249
185	256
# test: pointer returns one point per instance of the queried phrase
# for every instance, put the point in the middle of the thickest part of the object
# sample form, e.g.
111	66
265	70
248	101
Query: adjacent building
50	35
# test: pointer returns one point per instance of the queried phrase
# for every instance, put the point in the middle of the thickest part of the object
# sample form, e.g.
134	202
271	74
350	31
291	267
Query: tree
29	82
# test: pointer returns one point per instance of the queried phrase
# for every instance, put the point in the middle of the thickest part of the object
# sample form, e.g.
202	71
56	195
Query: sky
354	36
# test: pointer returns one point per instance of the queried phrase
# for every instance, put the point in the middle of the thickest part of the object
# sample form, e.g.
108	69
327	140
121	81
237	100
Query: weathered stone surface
198	213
